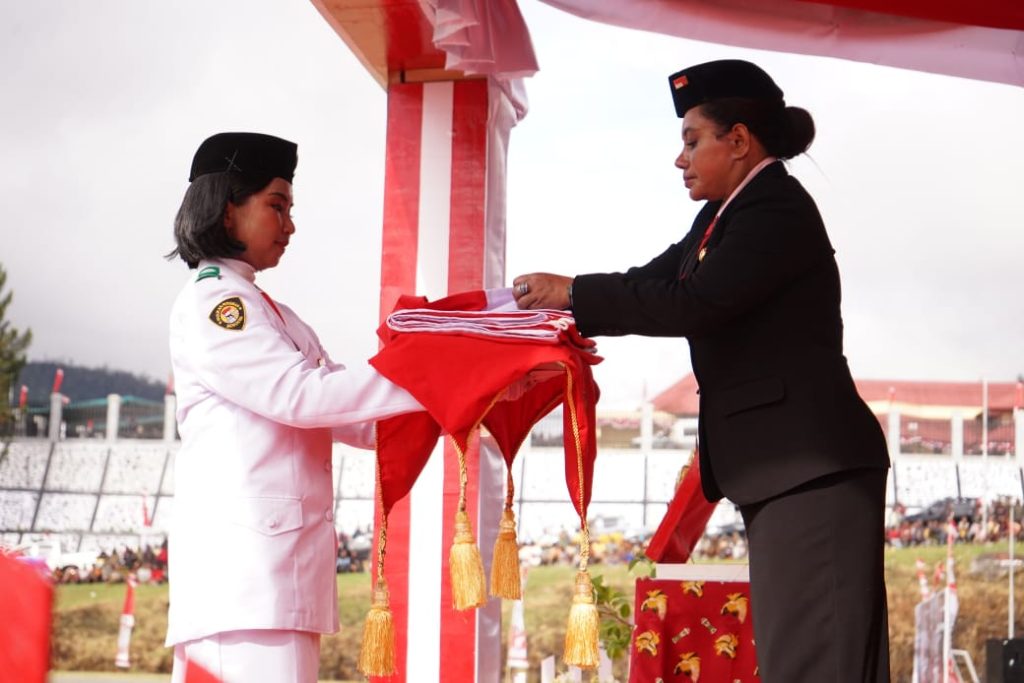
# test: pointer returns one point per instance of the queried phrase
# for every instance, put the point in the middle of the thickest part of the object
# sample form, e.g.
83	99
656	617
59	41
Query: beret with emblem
720	79
251	154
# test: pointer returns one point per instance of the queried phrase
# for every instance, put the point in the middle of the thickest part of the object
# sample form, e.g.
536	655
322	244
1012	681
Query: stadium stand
65	512
24	466
995	476
136	468
921	479
90	493
16	509
76	466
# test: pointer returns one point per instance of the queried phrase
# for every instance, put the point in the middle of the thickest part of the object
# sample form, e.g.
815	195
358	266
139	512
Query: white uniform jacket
252	539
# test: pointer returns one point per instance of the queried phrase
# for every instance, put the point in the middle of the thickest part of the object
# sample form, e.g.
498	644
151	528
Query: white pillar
894	433
647	427
956	425
113	415
56	410
170	424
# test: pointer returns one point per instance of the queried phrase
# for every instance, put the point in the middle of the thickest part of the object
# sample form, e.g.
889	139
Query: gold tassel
466	567
505	578
377	653
581	648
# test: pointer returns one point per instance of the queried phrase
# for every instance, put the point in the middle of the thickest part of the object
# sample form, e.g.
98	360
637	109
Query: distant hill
82	383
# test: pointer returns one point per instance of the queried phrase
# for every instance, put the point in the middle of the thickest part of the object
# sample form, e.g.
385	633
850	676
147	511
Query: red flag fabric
404	443
692	630
506	418
58	378
124	635
23	397
194	673
684	521
25	601
128	608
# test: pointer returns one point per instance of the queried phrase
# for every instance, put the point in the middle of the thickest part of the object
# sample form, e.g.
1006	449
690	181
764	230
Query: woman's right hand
542	290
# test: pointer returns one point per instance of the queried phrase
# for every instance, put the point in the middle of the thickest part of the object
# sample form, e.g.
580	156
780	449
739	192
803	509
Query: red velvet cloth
461	380
684	521
26	600
692	631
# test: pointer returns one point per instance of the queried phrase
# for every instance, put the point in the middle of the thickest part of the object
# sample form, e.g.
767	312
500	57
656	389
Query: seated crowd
149	565
973	523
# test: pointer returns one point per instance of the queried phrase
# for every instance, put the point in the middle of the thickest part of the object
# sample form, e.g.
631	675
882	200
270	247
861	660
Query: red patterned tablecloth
691	632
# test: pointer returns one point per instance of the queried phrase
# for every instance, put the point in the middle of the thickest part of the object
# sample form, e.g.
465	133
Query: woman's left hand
542	290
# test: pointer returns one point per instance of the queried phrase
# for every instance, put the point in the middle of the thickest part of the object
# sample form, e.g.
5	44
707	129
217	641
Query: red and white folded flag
473	359
498	320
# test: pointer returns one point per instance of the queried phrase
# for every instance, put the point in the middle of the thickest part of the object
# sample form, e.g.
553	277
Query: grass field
86	619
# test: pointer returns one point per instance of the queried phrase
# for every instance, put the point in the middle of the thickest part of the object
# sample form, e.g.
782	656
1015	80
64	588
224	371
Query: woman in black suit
754	288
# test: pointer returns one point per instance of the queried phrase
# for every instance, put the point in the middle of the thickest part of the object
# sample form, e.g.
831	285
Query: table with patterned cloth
691	630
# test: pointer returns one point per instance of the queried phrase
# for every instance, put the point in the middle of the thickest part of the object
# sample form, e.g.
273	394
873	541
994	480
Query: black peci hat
716	80
251	154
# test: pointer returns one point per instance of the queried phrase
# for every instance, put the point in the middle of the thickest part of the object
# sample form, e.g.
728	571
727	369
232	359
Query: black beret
720	79
251	154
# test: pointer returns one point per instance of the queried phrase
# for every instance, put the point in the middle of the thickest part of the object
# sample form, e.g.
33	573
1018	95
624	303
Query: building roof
680	398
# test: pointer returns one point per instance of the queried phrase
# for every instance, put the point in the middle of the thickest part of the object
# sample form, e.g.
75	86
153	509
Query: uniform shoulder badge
208	271
229	314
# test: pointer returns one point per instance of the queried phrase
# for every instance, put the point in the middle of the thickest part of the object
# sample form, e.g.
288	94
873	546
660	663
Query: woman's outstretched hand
542	290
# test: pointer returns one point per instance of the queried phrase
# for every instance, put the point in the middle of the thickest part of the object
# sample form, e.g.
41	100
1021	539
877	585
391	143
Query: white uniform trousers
253	656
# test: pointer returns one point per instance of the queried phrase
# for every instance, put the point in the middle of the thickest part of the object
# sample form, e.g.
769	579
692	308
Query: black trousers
817	583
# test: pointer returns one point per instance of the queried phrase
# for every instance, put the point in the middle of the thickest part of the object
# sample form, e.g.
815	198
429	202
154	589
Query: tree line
38	377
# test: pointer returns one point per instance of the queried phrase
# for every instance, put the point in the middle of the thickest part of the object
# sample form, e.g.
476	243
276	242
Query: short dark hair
784	131
199	225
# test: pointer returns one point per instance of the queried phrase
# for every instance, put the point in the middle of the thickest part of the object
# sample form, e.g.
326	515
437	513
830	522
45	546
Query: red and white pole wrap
444	232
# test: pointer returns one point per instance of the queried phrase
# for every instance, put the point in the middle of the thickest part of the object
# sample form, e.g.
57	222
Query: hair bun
799	134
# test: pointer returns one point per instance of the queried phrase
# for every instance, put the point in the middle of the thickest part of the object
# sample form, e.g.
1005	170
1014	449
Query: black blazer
778	406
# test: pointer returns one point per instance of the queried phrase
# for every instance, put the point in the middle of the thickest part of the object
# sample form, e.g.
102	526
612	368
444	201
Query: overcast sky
102	104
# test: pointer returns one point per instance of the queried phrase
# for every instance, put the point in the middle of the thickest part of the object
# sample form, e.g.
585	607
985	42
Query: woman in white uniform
252	541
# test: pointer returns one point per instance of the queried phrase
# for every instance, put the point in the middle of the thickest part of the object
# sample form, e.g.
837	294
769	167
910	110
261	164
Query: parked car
962	508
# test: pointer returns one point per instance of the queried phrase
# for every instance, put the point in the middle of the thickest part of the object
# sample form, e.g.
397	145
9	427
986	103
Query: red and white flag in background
124	635
922	579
